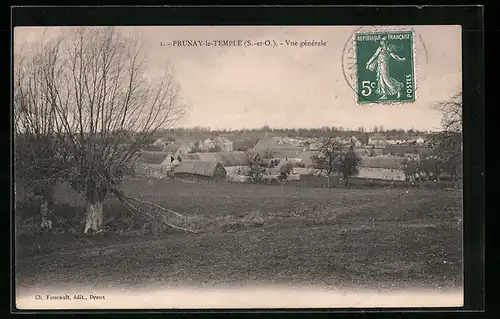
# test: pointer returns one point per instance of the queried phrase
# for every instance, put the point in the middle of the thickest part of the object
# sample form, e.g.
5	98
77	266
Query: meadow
385	238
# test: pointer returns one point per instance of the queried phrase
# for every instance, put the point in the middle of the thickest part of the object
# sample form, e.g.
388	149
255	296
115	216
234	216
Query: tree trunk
94	217
45	214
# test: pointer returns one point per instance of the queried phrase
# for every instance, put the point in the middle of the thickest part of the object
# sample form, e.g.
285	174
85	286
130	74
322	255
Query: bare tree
106	107
347	164
452	113
253	160
36	159
326	161
447	144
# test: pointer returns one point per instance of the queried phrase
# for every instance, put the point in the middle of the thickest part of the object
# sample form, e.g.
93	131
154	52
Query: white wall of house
159	142
151	170
305	171
381	173
207	145
227	147
377	142
237	178
237	170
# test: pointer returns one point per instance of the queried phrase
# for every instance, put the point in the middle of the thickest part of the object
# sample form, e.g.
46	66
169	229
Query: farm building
234	162
210	157
382	167
381	173
200	170
266	142
377	139
422	151
238	158
223	143
154	164
420	141
281	158
285	153
270	144
307	158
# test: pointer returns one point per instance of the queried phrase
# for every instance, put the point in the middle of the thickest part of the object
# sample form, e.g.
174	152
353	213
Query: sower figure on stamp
379	62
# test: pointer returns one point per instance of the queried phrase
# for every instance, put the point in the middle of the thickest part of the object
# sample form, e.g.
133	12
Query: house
207	145
238	158
382	167
420	141
200	171
266	142
281	156
306	146
223	143
239	163
306	165
159	143
377	139
268	147
181	152
153	164
244	145
314	146
396	141
187	143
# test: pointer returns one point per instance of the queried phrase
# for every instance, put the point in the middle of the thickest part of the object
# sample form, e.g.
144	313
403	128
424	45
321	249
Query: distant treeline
360	133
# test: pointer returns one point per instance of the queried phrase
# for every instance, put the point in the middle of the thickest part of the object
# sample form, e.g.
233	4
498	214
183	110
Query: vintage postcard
238	167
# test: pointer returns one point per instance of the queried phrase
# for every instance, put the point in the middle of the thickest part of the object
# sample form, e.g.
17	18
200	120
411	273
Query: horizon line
321	128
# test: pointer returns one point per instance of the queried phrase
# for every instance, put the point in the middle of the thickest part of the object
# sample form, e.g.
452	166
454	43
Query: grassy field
383	238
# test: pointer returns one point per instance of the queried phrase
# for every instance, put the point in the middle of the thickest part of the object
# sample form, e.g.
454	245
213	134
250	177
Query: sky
289	87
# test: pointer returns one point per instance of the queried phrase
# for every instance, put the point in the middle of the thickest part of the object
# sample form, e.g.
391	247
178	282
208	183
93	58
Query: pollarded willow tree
37	165
106	107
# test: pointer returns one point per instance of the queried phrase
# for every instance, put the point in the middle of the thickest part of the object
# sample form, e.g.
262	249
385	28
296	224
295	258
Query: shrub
255	174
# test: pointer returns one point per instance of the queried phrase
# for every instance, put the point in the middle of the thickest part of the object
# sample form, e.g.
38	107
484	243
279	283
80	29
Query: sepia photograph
238	167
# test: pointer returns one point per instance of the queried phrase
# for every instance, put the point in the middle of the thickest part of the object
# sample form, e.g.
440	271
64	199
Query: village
229	158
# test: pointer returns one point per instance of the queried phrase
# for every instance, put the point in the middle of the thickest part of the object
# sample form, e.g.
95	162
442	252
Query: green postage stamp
385	67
